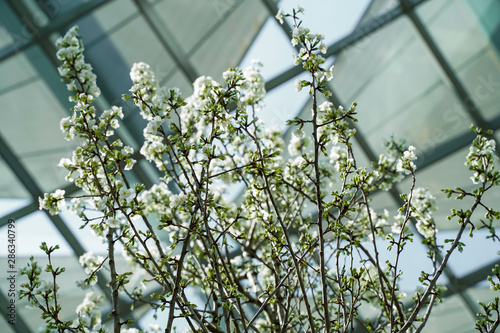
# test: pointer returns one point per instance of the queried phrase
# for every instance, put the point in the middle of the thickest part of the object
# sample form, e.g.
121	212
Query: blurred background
421	70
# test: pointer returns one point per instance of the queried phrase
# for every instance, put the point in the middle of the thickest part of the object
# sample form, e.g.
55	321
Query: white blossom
127	194
90	262
322	48
405	164
154	328
255	83
279	16
113	222
141	73
424	204
298	85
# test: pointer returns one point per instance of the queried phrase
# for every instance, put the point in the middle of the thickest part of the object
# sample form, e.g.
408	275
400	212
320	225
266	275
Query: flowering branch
299	250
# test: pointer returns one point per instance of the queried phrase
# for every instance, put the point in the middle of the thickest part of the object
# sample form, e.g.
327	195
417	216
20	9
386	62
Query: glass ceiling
422	70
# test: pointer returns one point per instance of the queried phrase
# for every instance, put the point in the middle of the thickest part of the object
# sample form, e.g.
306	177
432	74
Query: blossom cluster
311	46
405	164
480	159
395	164
89	314
99	161
424	205
71	54
91	265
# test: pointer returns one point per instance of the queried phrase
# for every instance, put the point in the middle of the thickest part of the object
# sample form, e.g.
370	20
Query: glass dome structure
421	70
